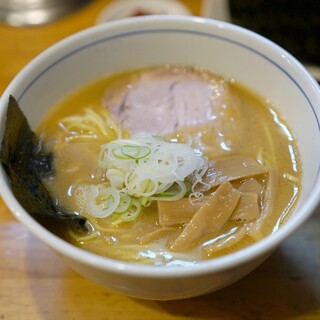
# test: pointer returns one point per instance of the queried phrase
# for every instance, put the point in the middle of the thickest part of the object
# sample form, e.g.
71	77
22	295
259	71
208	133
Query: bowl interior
224	49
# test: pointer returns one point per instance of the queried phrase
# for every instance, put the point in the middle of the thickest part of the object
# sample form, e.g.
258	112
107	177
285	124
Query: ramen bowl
143	42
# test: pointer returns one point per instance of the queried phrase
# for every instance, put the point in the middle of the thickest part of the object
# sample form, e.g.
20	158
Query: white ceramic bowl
148	41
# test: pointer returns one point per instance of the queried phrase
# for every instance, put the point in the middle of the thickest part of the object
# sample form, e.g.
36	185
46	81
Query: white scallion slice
124	204
102	201
175	192
133	152
145	185
133	212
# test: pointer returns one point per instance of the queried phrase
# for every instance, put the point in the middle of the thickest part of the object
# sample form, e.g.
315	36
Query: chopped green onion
143	169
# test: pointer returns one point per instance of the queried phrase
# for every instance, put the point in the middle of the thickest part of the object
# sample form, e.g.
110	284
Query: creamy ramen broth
219	118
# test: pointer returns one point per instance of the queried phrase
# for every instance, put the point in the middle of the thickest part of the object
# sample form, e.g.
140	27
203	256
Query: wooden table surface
36	284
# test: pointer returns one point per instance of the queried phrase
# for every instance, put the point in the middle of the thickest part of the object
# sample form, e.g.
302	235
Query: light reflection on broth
237	124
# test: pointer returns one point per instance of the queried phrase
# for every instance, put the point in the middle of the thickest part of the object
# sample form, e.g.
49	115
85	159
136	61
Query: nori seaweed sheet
26	167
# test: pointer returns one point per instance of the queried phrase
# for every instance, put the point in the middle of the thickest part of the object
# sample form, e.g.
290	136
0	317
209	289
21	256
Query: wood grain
35	284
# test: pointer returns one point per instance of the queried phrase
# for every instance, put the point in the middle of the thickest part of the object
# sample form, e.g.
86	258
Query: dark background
293	24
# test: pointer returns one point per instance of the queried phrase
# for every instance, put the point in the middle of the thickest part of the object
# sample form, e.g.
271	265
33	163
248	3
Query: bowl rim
229	261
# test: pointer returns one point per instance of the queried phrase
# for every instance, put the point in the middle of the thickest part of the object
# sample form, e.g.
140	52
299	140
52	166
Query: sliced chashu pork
163	101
